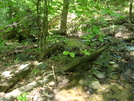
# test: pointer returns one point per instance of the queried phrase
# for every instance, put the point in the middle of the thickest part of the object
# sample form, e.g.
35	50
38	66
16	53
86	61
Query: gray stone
99	75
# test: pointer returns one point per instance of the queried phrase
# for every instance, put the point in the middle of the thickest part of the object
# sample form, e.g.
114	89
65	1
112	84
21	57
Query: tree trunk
63	23
130	10
38	18
44	32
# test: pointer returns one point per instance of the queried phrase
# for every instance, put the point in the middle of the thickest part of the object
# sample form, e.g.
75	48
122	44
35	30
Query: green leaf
65	52
78	14
92	49
101	39
88	30
72	54
91	44
85	52
35	71
19	97
104	11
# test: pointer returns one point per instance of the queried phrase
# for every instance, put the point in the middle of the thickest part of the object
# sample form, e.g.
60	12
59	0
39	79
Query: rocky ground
110	77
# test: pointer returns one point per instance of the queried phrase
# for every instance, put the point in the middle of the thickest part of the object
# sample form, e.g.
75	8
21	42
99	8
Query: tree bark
38	18
44	28
63	23
130	10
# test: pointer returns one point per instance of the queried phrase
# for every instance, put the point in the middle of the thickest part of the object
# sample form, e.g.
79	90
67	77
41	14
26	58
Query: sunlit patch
71	95
72	16
23	66
6	74
132	53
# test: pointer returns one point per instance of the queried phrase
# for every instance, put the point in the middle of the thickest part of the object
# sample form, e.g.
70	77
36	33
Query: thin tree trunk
44	27
130	10
63	23
38	19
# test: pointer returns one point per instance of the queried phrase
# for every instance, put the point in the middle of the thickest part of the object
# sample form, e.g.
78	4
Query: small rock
36	63
94	84
99	75
88	92
116	66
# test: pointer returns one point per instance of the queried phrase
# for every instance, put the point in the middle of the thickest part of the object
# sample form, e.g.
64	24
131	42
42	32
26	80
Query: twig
53	69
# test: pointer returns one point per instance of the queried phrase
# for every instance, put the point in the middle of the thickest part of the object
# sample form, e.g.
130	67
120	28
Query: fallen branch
79	61
11	82
11	96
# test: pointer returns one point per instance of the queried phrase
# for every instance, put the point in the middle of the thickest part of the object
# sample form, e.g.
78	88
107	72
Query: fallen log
11	96
49	50
11	82
79	61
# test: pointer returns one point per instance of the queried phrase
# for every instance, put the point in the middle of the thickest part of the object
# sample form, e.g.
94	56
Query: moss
111	91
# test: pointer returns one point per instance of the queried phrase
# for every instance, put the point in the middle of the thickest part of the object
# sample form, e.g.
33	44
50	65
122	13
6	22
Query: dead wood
79	61
11	96
49	50
18	76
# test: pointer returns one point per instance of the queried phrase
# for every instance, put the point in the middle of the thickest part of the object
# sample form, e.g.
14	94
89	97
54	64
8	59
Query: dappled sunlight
71	16
23	66
132	54
56	51
74	94
111	91
6	74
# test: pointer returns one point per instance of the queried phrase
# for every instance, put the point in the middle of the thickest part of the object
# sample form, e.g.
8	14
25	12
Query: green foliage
85	52
72	54
88	6
3	46
23	15
56	38
1	42
22	97
35	71
16	60
91	33
101	37
25	42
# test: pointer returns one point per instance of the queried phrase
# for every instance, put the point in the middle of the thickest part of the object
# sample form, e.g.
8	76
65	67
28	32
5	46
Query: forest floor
110	77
